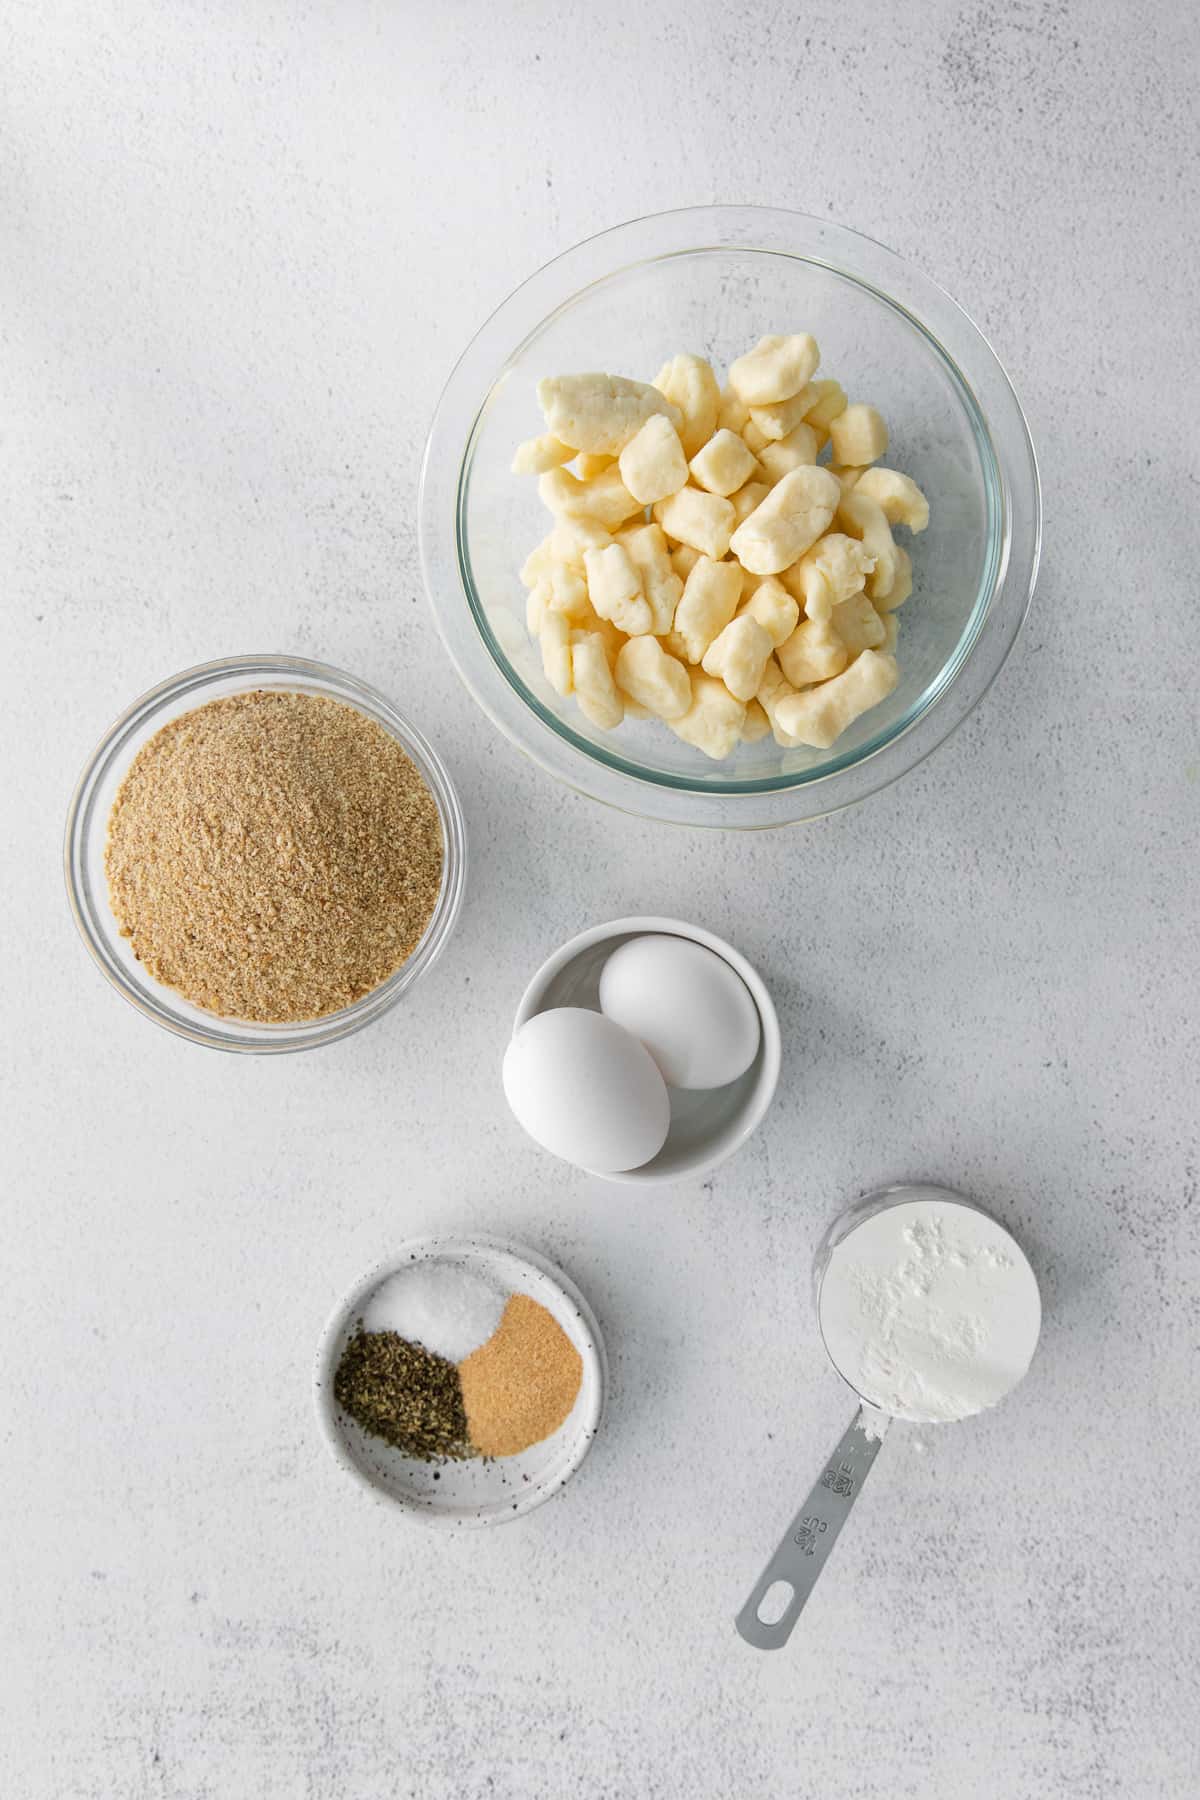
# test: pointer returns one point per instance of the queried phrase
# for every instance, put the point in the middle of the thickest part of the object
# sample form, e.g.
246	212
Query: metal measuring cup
778	1597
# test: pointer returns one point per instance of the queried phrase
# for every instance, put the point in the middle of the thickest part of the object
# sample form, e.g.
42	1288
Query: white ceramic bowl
478	1492
707	1126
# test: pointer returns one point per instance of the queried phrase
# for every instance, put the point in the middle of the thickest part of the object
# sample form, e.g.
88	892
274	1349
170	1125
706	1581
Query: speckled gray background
241	246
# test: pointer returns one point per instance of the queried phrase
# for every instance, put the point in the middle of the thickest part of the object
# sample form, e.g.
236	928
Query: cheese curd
814	652
603	500
775	421
787	523
600	413
776	369
901	588
615	589
705	521
756	724
572	536
858	624
723	465
538	454
738	654
713	723
799	447
774	609
863	518
733	413
653	463
660	683
683	560
901	499
836	567
721	560
689	385
820	714
555	638
595	689
773	690
747	498
858	435
648	551
829	404
589	465
710	596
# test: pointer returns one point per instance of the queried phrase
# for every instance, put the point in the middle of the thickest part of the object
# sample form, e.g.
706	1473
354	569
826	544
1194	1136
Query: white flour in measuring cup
929	1309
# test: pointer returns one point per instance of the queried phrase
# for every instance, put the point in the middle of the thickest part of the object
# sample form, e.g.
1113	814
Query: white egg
586	1090
693	1012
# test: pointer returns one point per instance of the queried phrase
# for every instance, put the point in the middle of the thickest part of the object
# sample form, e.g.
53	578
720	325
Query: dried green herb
402	1393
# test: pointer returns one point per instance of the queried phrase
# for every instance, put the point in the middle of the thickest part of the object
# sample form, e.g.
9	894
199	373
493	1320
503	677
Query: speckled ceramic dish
480	1492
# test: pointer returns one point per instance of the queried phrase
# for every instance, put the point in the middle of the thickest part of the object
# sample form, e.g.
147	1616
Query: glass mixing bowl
714	280
87	831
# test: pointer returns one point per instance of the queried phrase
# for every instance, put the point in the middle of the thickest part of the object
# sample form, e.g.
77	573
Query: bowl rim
758	1102
589	1341
94	920
1011	561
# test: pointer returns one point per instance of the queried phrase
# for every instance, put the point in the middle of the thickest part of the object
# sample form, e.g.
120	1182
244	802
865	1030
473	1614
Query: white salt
442	1305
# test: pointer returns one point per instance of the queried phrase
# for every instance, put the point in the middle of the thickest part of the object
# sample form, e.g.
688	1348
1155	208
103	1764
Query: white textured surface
241	248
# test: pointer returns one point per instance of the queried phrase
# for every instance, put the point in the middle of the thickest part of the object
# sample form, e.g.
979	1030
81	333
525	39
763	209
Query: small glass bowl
713	280
87	830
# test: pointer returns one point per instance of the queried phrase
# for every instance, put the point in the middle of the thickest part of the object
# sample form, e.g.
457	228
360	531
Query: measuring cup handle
813	1532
